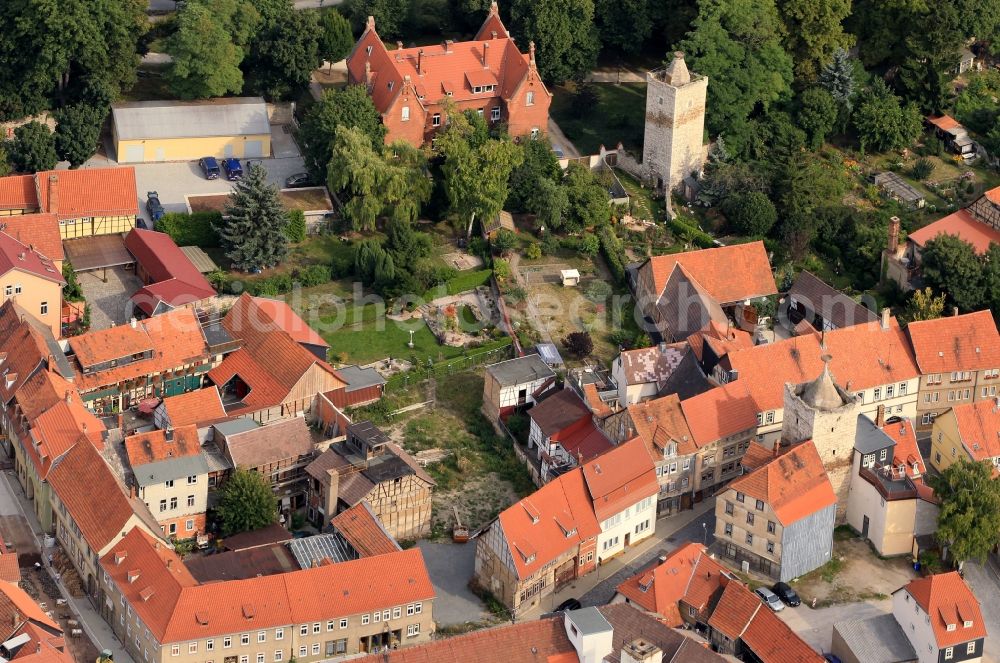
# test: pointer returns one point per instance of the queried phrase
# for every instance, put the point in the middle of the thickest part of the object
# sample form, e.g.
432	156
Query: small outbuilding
570	277
147	131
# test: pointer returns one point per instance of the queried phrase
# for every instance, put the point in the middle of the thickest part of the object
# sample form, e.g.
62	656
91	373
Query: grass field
372	339
619	115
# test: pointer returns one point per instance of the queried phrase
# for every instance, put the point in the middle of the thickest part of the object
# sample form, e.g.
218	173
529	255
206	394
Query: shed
898	189
549	354
147	131
503	220
570	277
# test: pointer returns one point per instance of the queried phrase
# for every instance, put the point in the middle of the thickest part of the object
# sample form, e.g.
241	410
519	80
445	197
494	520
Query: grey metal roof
876	640
359	378
201	260
869	438
314	549
235	426
549	353
520	370
589	621
173	468
142	120
217	461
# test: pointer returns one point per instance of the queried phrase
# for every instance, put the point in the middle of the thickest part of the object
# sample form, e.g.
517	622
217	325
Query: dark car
154	207
569	604
234	170
210	167
786	594
298	180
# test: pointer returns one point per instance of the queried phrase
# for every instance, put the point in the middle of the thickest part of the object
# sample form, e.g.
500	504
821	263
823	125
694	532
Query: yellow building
32	280
967	431
147	131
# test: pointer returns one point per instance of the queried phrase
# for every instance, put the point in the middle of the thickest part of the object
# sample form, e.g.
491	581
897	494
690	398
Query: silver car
770	599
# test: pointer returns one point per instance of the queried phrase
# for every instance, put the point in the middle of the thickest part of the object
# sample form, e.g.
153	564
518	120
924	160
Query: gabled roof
944	123
794	485
968	342
978	425
867	355
17	607
89	192
687	305
947	600
582	439
736	609
906	452
18	192
720	412
236	116
58	429
520	370
23	349
549	522
199	407
620	478
38	230
764	369
290	438
961	224
728	273
361	528
658	422
176	280
288	320
834	306
720	338
558	411
158	445
19	256
651	365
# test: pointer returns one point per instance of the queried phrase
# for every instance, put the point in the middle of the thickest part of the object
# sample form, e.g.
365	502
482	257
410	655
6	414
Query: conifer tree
252	232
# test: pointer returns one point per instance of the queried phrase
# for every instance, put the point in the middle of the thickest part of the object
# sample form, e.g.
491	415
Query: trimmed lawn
619	115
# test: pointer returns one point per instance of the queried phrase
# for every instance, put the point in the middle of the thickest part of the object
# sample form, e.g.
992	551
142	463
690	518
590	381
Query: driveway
559	141
450	566
816	626
109	302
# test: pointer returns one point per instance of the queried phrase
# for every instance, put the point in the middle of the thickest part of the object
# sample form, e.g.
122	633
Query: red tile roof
660	421
17	607
773	641
948	600
155	445
978	425
620	478
720	339
90	192
720	412
735	610
583	440
176	281
58	429
361	528
757	455
728	273
10	570
906	451
967	342
23	349
39	230
199	407
594	402
18	192
558	411
993	195
553	520
944	123
764	369
866	355
961	224
794	485
287	319
15	255
103	345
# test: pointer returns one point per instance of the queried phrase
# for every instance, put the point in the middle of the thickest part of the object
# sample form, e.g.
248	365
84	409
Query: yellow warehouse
146	131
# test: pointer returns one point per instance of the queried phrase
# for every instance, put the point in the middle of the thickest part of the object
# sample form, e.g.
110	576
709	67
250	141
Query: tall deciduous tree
539	164
883	123
564	34
205	61
924	305
950	266
390	180
349	107
807	189
932	53
389	15
284	55
336	39
252	232
588	205
969	519
476	171
33	148
78	132
624	25
738	45
814	31
247	503
817	114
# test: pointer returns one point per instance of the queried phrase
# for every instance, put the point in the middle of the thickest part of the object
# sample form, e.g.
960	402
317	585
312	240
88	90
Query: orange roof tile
948	600
597	406
17	192
10	571
23	350
90	192
43	390
720	339
582	439
361	528
773	641
906	451
757	455
978	424
728	273
16	607
794	484
38	230
549	522
288	320
15	255
735	610
993	195
199	407
660	421
104	345
58	429
967	342
944	123
765	369
964	226
866	355
720	412
620	478
155	445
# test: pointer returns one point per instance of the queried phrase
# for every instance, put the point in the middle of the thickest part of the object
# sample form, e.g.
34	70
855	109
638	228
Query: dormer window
477	90
951	627
368	50
967	624
389	85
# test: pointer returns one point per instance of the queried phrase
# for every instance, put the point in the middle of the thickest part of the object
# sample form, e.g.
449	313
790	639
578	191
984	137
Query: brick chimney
53	194
447	45
893	244
370	23
486	50
885	318
420	62
880	416
531	53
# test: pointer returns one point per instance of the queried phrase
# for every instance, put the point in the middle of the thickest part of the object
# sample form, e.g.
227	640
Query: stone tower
672	146
826	414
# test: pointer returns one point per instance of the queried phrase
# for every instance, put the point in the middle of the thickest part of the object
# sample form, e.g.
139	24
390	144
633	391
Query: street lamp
704	529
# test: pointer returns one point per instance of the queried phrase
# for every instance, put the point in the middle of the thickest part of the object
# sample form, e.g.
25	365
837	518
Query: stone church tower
672	146
826	414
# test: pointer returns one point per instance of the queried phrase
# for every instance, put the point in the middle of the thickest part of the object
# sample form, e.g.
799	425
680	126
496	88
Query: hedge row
613	251
698	236
272	286
461	282
197	229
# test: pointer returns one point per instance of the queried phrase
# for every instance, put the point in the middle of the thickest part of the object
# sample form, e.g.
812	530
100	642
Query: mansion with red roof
411	87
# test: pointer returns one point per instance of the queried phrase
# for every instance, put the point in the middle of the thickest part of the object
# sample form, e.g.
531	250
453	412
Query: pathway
559	141
815	626
615	75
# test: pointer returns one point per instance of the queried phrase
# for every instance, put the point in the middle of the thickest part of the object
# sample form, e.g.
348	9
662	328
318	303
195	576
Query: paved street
985	583
450	566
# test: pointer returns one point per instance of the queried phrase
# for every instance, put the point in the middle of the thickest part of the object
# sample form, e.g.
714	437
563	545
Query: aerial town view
499	331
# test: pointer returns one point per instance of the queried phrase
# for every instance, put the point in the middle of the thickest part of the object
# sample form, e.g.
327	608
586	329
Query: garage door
134	154
254	149
228	151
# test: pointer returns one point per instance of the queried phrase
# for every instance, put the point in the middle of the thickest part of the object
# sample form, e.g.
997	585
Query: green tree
814	32
751	213
991	278
932	52
579	344
349	107
540	163
980	19
336	39
588	205
78	132
295	226
624	25
553	204
476	171
924	305
837	78
969	517
284	55
72	292
807	190
975	106
818	114
33	148
206	62
389	15
504	241
247	503
882	122
252	232
4	161
563	32
241	18
950	266
390	180
882	27
738	45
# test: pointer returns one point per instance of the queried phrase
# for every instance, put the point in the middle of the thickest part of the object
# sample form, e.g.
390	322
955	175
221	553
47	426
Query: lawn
619	115
642	203
376	337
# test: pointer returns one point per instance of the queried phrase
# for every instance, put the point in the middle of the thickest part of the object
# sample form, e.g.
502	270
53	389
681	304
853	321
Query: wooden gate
565	573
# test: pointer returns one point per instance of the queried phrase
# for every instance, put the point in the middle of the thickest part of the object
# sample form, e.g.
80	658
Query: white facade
176	499
916	624
627	527
629	394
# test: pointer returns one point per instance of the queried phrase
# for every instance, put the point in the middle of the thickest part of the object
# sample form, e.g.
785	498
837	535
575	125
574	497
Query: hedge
295	230
613	251
279	284
460	283
697	235
197	229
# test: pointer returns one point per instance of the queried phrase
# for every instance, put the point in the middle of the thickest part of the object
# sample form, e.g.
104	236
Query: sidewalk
93	625
597	588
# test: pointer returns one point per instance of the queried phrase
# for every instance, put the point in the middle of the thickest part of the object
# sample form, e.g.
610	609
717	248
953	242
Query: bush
613	251
750	213
922	169
314	275
697	236
598	291
533	252
196	229
579	344
620	338
501	269
295	231
590	245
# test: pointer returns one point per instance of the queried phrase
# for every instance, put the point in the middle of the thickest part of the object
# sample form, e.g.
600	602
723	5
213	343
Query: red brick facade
180	525
411	86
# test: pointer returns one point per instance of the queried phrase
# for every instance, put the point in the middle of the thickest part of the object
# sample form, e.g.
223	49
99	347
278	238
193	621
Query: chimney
954	311
531	53
69	397
368	74
880	416
641	651
893	244
420	62
131	491
15	619
133	322
486	49
84	427
447	45
399	45
885	318
494	9
370	23
170	563
53	193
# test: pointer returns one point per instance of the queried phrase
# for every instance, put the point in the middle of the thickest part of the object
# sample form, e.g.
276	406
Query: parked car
234	170
210	168
786	594
569	604
298	180
770	599
154	207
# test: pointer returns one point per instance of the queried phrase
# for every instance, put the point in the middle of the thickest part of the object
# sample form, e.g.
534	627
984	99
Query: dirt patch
478	502
854	574
39	585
